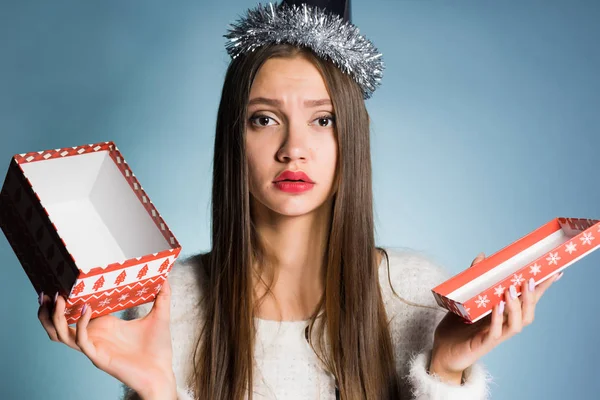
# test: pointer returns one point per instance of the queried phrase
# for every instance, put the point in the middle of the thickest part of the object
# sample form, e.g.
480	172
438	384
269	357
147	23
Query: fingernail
55	297
558	276
501	308
531	284
513	292
83	309
41	298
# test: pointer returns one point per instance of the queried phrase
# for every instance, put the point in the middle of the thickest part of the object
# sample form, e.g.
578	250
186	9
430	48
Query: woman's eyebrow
277	103
317	103
264	100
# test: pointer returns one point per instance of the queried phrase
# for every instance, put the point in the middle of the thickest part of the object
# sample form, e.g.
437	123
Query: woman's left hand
457	345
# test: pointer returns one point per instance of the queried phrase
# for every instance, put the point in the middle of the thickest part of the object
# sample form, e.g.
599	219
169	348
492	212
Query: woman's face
290	127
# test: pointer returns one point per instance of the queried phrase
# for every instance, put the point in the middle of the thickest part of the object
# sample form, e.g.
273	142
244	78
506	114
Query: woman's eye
262	120
325	122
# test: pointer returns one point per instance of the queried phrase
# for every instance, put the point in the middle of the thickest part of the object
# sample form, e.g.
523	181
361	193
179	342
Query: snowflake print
104	302
68	311
571	247
535	269
124	297
499	291
482	301
517	279
142	291
587	238
157	289
553	258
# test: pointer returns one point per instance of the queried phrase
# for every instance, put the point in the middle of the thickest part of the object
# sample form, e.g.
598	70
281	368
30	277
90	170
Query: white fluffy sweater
286	367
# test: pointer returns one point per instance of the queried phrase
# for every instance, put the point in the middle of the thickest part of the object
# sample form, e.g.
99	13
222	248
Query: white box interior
509	267
94	209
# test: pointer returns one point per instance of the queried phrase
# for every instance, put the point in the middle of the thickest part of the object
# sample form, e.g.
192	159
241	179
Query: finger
44	317
513	306
480	257
528	301
542	287
65	333
494	335
81	335
162	304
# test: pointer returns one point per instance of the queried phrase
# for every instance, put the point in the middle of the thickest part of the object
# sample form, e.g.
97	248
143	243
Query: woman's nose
294	146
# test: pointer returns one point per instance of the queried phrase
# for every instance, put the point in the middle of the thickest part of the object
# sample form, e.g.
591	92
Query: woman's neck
294	250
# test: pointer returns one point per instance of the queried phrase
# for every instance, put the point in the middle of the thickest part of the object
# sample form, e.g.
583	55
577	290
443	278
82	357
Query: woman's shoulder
187	279
412	311
411	273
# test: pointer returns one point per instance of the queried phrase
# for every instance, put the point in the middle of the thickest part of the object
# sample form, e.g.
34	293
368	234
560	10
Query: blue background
486	126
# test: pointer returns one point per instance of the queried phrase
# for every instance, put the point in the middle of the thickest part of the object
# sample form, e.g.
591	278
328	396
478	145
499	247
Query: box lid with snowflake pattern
81	224
541	254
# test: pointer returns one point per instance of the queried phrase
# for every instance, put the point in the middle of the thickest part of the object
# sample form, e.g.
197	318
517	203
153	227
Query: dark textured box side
32	236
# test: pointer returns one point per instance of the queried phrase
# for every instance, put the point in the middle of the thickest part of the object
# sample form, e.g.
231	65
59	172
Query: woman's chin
290	206
295	208
294	211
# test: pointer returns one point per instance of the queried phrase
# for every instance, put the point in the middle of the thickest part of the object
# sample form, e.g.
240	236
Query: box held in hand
540	255
81	224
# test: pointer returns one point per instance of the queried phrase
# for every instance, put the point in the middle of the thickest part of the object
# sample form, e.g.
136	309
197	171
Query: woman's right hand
137	352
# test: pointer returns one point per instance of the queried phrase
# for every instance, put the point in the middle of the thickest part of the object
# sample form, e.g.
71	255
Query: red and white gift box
541	254
80	224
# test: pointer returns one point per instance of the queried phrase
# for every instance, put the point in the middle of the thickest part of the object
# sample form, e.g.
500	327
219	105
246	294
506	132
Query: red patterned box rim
467	284
127	222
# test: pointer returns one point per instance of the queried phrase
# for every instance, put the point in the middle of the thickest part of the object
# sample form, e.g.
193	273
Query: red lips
293	176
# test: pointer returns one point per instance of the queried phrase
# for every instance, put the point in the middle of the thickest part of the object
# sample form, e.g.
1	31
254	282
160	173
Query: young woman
294	300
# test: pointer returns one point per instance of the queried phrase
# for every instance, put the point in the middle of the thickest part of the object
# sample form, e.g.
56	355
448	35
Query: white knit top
285	365
282	354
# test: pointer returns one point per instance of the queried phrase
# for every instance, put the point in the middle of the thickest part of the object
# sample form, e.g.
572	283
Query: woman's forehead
290	78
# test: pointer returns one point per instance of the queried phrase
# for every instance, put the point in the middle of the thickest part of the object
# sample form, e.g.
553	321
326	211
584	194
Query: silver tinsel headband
327	34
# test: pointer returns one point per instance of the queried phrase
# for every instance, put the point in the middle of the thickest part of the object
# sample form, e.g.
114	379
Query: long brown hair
358	350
